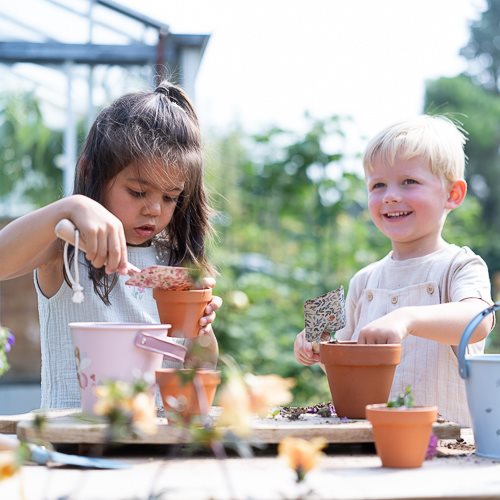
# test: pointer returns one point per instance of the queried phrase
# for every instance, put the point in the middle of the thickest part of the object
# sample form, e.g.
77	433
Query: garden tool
323	316
164	277
42	456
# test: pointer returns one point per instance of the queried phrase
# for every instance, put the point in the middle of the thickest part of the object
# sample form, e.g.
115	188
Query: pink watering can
119	351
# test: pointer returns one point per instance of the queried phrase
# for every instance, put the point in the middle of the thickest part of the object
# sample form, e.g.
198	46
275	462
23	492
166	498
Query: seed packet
324	315
164	277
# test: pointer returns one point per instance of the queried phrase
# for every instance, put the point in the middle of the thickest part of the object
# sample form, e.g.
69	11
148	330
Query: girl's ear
456	194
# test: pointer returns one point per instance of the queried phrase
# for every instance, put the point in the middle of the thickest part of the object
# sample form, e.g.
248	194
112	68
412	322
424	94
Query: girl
138	197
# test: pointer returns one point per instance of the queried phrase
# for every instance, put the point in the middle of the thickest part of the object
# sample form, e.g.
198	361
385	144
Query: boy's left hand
389	329
216	302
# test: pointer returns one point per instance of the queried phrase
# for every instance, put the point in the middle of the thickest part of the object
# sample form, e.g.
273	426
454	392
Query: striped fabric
431	368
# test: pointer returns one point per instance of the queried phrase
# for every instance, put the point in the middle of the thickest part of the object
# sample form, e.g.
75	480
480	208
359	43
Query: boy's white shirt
59	383
431	368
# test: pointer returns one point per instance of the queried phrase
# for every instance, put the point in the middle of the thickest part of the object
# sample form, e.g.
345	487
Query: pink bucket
118	351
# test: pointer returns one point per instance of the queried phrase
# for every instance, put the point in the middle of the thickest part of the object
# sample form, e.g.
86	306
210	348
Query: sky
270	61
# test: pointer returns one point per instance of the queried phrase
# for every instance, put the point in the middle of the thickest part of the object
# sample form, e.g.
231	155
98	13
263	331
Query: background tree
292	224
291	219
483	49
29	152
473	99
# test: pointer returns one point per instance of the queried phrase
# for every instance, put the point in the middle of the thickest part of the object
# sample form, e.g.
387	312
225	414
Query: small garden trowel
324	316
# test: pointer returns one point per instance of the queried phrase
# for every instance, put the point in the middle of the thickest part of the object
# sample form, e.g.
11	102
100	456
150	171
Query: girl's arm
29	242
443	323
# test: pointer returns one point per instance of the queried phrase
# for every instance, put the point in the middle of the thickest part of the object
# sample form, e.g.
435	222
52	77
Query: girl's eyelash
142	194
137	194
173	199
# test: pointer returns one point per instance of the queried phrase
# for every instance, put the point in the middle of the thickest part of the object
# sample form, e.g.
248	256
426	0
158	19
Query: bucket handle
167	347
466	335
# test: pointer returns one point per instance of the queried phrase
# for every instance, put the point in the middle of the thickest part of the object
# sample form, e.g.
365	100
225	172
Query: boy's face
409	204
143	207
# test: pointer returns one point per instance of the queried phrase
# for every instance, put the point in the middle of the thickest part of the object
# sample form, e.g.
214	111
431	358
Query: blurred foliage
483	48
479	113
473	99
293	224
29	151
290	215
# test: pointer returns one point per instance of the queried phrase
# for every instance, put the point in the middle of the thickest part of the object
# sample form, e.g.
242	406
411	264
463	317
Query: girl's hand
101	233
303	350
216	302
389	329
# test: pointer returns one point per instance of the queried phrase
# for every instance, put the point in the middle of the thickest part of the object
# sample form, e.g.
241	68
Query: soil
456	447
295	412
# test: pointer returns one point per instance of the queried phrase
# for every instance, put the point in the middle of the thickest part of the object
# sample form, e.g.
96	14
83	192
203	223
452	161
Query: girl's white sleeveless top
59	385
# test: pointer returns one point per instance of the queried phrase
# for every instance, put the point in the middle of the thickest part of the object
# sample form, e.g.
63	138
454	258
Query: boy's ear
456	194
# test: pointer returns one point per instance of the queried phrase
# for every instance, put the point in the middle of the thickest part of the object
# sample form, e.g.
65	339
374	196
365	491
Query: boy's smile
409	204
392	215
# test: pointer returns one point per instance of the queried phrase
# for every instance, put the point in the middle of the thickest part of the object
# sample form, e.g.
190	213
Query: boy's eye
410	181
378	185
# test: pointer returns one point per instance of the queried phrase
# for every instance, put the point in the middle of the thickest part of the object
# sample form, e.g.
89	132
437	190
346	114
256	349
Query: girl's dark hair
141	129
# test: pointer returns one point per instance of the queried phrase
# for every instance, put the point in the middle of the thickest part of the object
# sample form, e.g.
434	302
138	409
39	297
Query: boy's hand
215	304
389	329
303	350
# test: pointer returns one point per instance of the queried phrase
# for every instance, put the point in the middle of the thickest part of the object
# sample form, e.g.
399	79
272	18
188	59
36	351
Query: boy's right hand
304	351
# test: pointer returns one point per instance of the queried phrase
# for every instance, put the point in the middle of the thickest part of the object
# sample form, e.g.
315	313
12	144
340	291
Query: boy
425	291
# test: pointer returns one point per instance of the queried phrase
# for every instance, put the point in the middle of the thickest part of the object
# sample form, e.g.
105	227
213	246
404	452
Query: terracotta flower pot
359	374
182	309
193	390
401	434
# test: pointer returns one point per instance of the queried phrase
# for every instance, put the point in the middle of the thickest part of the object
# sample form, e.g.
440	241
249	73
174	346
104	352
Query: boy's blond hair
435	138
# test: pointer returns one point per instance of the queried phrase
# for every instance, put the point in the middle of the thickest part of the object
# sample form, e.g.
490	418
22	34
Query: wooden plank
8	423
73	427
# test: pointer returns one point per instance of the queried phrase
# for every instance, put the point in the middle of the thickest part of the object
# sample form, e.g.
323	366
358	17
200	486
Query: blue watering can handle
466	335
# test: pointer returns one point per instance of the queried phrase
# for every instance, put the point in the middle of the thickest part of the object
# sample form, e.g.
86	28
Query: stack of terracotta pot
185	391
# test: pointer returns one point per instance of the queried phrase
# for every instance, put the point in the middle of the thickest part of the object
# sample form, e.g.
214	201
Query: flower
266	391
243	397
10	457
9	464
234	402
7	340
301	455
432	447
144	413
128	407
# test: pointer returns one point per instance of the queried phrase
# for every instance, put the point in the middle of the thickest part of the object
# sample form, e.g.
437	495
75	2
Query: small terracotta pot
182	309
401	435
359	374
193	390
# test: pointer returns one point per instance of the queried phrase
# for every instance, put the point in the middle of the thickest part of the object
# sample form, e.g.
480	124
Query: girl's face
143	206
409	204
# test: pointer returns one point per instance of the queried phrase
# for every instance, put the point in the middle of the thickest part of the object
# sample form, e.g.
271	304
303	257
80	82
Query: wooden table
70	426
338	476
346	472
